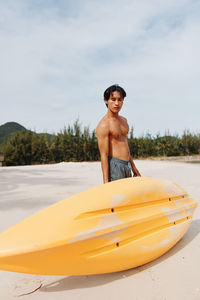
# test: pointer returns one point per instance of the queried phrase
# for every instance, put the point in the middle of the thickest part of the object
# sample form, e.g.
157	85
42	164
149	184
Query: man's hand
136	173
134	169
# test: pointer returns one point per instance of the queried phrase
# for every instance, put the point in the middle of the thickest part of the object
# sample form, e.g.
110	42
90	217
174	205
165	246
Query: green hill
7	130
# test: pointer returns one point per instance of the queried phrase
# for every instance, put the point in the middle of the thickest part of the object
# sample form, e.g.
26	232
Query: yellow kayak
112	227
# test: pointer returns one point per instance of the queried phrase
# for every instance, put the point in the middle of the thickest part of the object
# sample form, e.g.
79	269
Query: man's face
115	102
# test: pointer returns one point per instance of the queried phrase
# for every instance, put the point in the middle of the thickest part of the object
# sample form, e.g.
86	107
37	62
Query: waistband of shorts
121	161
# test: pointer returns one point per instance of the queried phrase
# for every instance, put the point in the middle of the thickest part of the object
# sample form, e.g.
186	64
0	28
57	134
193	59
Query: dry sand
175	275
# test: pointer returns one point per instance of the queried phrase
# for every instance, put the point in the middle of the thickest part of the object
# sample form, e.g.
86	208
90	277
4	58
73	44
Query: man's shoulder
123	118
103	122
103	125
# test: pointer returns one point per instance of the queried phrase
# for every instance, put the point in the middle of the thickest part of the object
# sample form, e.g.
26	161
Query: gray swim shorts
118	169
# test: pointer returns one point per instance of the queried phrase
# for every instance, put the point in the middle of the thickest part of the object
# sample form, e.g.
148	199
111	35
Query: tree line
74	144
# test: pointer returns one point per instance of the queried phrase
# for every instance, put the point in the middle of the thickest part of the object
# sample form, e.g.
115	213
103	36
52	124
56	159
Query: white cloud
56	62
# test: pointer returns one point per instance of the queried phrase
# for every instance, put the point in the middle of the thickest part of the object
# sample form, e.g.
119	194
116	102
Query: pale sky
58	57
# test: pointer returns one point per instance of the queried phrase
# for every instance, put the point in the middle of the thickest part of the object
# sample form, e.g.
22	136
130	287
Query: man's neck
113	115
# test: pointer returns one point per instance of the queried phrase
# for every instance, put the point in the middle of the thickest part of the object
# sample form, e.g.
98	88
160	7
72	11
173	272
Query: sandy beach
25	190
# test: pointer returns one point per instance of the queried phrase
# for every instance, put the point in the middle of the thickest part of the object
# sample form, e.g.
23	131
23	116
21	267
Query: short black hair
114	88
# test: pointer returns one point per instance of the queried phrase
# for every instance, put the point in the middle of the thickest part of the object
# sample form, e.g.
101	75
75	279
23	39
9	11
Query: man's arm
103	143
134	169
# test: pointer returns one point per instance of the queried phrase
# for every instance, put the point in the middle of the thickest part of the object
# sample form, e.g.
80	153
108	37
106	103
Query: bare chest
118	129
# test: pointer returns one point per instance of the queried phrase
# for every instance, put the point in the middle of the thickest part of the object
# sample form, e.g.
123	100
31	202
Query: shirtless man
112	141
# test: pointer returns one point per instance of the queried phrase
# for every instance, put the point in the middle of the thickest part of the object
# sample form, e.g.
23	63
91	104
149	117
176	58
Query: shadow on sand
86	281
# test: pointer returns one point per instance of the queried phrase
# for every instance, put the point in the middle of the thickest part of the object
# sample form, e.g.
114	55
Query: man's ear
106	101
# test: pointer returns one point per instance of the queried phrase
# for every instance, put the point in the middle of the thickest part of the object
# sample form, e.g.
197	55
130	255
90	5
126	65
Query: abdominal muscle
118	148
